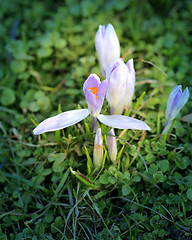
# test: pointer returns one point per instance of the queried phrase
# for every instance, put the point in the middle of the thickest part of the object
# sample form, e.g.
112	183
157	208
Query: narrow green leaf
83	178
118	157
139	100
105	155
158	124
89	162
120	153
62	182
77	130
87	129
127	111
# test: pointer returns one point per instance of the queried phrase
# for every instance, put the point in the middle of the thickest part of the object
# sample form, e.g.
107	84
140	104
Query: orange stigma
94	91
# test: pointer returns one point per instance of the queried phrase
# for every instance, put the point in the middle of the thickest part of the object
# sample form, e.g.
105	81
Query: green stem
94	124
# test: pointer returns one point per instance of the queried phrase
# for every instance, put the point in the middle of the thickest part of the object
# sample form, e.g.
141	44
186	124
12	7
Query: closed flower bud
129	88
107	46
98	149
176	101
112	145
116	76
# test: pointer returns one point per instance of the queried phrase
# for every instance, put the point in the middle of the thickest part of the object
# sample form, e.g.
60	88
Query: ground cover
47	54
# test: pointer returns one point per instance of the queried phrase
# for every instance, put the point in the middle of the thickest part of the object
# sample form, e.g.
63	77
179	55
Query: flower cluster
94	91
118	86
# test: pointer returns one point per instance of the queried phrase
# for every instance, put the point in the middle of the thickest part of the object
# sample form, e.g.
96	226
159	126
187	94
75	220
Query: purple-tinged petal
179	102
122	122
98	137
101	94
61	121
112	66
92	81
112	145
130	84
131	69
117	73
107	46
121	84
91	102
94	93
172	95
176	101
129	91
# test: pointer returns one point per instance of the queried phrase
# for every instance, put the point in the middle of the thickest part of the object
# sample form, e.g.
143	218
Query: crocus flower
107	46
98	149
112	145
129	88
94	91
116	75
94	94
176	101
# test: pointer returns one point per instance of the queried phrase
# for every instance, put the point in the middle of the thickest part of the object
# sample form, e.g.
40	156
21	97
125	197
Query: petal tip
37	131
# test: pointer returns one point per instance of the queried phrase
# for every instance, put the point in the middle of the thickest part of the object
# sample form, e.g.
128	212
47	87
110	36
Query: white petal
98	137
122	122
61	121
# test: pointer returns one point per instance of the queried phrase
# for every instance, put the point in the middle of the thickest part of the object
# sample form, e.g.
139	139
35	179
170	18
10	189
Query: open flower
107	46
176	101
94	94
94	91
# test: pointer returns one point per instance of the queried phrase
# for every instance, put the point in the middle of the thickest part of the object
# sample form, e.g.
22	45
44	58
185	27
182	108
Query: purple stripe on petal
183	98
113	65
171	99
176	99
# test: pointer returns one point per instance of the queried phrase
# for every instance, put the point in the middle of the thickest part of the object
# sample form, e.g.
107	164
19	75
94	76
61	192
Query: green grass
48	53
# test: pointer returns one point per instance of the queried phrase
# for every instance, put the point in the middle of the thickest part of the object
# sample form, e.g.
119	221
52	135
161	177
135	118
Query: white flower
107	46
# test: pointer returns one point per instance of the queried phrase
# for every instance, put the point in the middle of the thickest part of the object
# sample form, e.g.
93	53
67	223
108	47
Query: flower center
94	91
